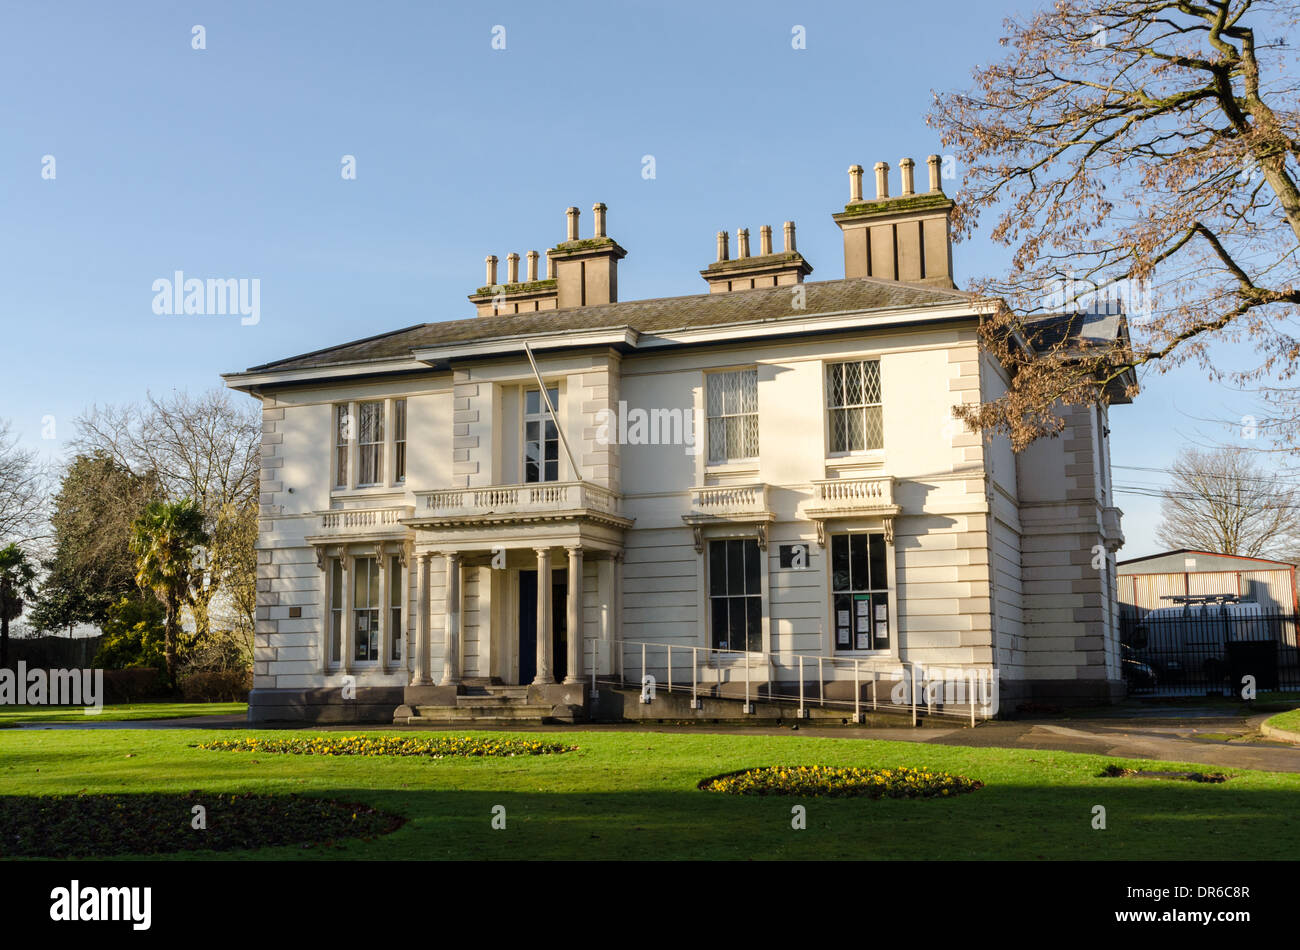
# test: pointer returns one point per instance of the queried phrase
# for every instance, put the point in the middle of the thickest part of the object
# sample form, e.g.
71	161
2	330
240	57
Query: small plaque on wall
794	557
295	611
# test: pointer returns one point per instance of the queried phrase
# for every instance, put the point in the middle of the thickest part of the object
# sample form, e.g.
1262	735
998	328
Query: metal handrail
773	660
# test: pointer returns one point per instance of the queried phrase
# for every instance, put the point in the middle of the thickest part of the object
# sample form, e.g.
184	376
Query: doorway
528	625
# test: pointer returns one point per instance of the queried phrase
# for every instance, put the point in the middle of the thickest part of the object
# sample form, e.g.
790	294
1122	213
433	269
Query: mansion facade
497	513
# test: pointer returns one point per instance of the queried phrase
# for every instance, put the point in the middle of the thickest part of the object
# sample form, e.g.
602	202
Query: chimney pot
765	239
512	268
742	242
933	162
905	166
491	270
789	236
723	252
572	220
532	265
855	183
598	212
882	179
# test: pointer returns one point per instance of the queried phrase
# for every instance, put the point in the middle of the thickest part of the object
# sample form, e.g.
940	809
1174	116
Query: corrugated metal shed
1146	583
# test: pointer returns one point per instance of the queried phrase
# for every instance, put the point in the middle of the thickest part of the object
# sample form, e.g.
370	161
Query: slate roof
1048	331
645	316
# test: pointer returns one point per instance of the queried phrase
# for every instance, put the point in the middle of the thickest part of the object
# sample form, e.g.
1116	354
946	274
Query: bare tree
23	483
1143	152
204	447
1221	500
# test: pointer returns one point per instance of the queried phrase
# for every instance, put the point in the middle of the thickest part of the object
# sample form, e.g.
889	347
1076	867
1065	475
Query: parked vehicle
1140	676
1190	641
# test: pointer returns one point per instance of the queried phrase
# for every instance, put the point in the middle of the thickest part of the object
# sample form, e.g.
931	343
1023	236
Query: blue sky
225	162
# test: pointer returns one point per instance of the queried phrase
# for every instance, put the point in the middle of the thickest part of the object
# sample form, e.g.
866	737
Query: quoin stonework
448	535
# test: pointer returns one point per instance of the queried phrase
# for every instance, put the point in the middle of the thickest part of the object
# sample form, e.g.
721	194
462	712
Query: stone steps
494	693
488	713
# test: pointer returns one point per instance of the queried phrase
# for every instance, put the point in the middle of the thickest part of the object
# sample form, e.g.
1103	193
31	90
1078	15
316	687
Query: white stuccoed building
765	479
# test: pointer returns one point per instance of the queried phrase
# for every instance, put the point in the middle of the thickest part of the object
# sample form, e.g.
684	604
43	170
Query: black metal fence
1209	651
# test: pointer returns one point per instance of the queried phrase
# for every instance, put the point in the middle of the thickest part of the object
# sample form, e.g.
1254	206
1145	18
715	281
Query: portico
507	603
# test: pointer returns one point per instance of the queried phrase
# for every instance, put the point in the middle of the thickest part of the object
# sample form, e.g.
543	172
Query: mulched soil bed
1119	771
97	826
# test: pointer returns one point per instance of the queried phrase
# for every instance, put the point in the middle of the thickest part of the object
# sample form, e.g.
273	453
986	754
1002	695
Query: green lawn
1287	720
121	712
633	795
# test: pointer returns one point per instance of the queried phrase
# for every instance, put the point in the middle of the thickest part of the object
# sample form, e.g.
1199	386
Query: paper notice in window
864	640
882	613
842	637
842	618
864	608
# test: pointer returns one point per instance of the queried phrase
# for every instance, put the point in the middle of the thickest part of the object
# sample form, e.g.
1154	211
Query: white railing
853	494
705	671
345	520
729	499
517	499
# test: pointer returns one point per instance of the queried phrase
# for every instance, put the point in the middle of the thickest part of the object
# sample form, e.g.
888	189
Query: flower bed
436	747
97	826
824	781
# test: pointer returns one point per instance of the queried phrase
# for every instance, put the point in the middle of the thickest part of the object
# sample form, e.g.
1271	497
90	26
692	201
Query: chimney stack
491	270
882	180
935	184
586	271
532	266
855	183
767	269
512	268
904	238
905	167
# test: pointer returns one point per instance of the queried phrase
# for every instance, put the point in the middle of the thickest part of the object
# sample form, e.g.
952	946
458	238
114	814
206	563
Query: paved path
1223	741
229	721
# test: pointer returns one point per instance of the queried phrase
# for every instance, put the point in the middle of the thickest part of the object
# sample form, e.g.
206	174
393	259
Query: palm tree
17	576
165	540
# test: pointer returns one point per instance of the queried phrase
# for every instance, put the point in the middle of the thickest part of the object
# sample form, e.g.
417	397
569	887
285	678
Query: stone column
544	675
381	556
347	645
605	594
407	632
421	674
616	612
574	619
326	608
451	636
618	595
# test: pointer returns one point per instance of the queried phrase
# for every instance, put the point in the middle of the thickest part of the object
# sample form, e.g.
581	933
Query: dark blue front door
528	625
